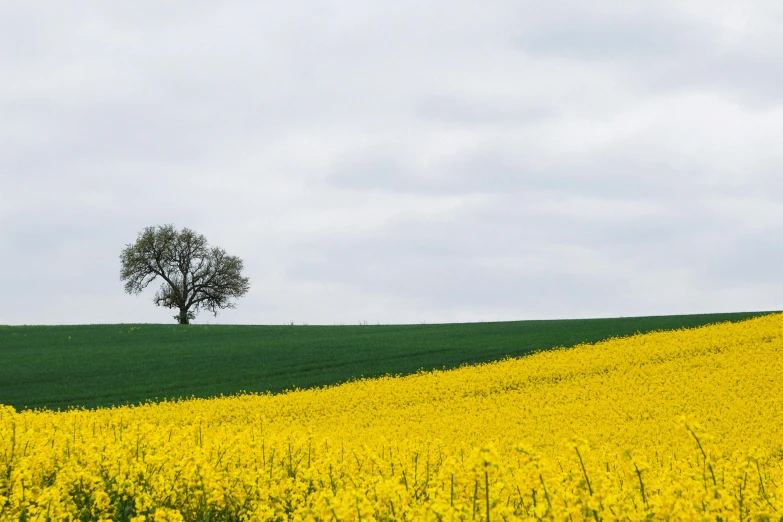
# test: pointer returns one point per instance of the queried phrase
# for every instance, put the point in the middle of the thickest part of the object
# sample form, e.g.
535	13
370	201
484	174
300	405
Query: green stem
641	483
486	491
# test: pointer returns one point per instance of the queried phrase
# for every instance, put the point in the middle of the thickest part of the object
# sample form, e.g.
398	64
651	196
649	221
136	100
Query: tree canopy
194	275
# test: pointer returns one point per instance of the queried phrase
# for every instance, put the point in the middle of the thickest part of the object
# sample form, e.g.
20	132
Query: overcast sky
397	161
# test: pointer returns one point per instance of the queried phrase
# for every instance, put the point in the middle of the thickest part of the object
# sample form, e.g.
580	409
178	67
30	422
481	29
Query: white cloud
399	162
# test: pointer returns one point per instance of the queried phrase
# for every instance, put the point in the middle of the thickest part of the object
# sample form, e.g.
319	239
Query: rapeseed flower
674	425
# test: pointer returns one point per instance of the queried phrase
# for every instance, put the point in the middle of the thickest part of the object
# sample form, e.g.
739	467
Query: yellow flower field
669	425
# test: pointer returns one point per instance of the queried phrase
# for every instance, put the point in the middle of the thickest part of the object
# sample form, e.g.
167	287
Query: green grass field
103	365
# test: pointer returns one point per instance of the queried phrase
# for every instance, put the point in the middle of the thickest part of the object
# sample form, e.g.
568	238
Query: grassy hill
104	365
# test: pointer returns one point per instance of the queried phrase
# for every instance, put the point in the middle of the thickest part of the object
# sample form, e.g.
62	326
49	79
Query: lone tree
195	276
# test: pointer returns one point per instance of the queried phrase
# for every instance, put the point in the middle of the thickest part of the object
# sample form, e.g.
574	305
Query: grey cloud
496	171
636	39
453	109
97	132
452	282
656	51
429	255
374	173
754	79
509	254
745	260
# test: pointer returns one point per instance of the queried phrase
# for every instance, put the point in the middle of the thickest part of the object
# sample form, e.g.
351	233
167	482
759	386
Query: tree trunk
183	316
